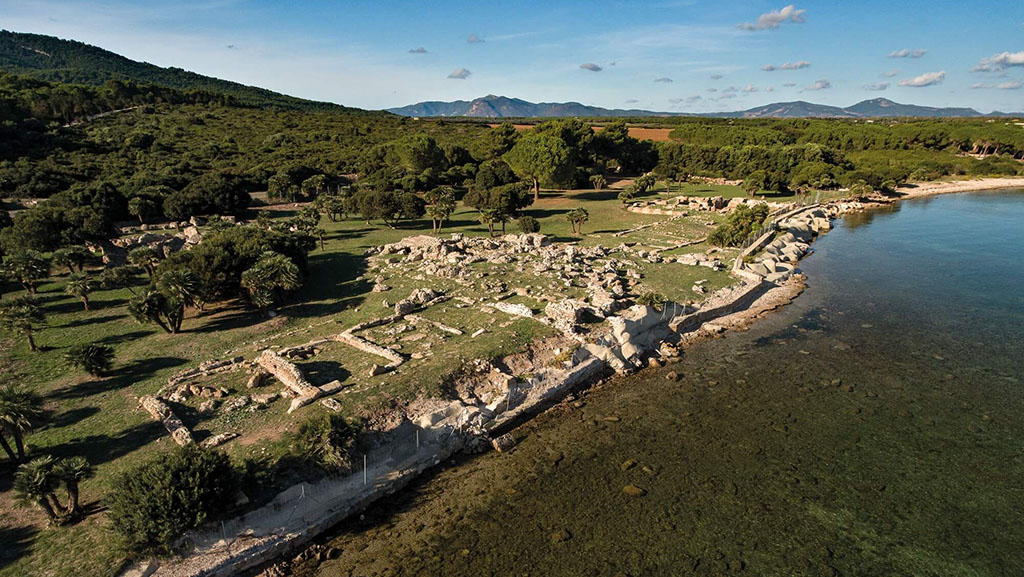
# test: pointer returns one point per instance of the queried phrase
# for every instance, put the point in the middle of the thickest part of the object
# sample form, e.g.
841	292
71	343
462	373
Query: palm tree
270	278
576	218
95	359
80	285
118	277
150	307
181	288
35	483
71	257
144	257
20	411
71	472
27	267
23	315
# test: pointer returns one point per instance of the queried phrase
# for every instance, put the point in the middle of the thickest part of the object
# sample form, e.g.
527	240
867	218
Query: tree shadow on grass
98	449
236	318
323	372
540	213
603	194
117	339
133	372
91	321
68	418
17	540
332	281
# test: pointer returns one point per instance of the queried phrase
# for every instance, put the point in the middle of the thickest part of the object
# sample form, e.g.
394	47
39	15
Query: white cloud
1011	85
999	62
420	50
460	74
822	84
877	86
665	80
908	53
772	20
474	39
749	88
787	66
730	89
926	79
789	85
694	98
631	101
890	73
716	76
591	67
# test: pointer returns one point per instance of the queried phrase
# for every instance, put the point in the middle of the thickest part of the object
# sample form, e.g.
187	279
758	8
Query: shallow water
873	427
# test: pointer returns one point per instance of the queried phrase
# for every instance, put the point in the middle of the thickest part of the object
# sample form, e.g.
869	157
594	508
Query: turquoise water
873	427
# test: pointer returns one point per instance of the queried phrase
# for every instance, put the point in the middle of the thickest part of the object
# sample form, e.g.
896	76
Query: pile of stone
205	369
587	267
420	298
778	259
700	259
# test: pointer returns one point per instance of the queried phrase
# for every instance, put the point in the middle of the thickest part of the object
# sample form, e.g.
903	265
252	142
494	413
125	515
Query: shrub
95	359
651	299
153	505
326	441
743	222
527	224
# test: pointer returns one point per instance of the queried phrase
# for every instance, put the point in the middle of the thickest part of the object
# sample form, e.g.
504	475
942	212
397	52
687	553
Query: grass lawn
99	417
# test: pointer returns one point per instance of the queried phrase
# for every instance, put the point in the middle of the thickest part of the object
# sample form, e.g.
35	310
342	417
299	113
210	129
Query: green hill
69	61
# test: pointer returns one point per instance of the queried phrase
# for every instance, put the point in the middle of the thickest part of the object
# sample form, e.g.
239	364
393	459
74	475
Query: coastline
916	190
650	352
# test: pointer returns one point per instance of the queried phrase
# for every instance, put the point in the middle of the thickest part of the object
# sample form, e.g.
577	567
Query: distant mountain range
57	60
492	106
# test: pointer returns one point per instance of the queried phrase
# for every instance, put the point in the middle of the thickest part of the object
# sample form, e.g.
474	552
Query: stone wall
291	377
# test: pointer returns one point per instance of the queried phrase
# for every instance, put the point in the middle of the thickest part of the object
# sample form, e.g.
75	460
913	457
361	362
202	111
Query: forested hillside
68	61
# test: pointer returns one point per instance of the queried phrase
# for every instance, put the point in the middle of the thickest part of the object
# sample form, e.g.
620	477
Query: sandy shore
930	188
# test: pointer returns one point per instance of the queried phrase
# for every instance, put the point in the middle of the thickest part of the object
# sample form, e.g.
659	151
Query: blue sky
674	55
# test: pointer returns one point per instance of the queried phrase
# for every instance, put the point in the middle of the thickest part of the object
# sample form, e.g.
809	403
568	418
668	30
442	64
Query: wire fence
307	504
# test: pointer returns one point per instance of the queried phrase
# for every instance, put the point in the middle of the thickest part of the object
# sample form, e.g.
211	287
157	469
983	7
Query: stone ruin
682	205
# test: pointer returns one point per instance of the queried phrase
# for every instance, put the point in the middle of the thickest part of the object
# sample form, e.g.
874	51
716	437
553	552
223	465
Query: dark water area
873	427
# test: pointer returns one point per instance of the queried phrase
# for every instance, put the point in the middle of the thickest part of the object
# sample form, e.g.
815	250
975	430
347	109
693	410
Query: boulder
192	236
566	314
514	309
331	404
218	440
236	403
503	443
